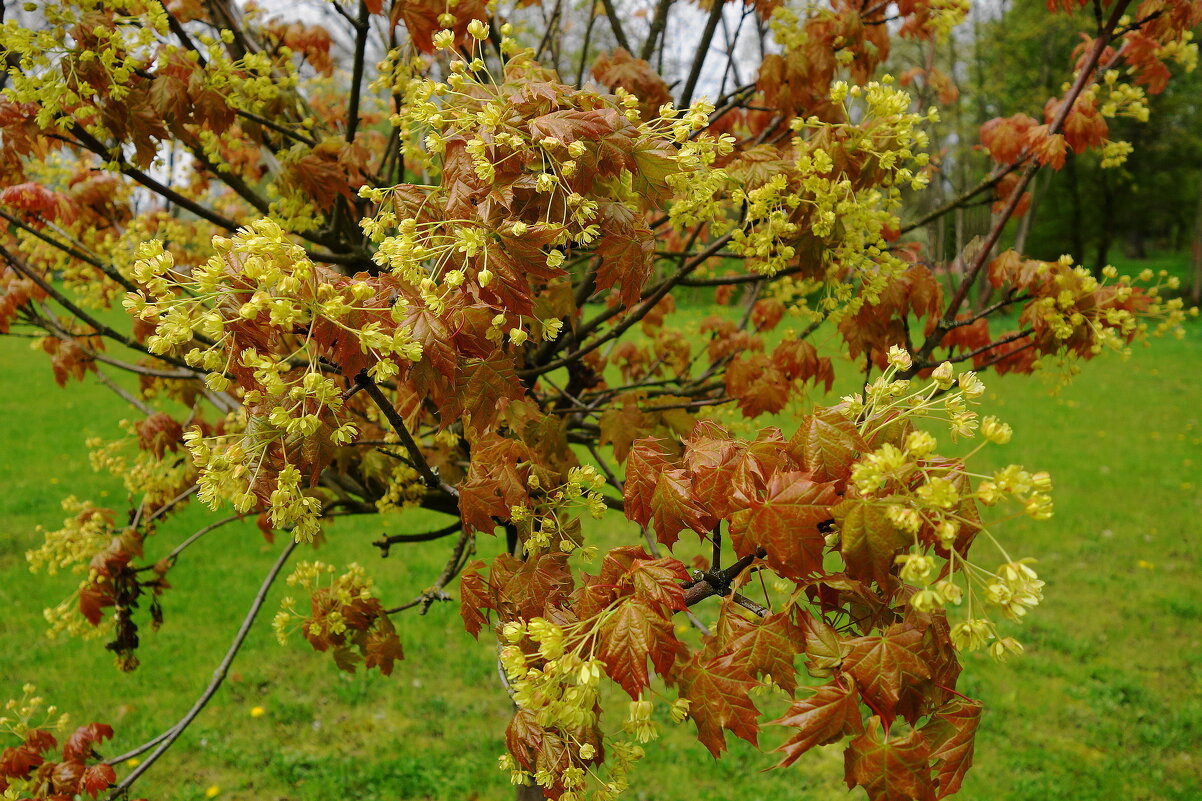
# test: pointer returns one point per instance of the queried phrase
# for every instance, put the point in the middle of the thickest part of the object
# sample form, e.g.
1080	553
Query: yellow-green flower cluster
841	190
554	674
338	592
931	498
552	521
29	712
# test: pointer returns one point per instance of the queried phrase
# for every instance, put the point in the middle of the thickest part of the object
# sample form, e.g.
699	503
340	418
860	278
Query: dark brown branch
452	568
386	542
361	31
703	48
167	738
718	582
616	26
658	23
418	460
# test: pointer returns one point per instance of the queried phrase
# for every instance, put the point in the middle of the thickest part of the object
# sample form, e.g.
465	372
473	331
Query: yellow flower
257	711
213	791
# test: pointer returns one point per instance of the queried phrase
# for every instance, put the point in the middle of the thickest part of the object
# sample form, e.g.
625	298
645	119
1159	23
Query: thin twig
167	738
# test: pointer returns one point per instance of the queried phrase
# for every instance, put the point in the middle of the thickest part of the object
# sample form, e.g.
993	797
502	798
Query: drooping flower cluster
933	500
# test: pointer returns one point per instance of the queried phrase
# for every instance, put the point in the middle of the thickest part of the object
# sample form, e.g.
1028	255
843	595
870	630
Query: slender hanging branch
168	738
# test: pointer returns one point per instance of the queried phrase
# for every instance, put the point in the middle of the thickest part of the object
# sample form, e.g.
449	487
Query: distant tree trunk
1106	229
1076	235
1196	291
1137	243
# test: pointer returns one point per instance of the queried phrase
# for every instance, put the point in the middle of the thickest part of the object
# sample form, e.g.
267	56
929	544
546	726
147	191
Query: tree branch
386	542
361	31
420	464
168	738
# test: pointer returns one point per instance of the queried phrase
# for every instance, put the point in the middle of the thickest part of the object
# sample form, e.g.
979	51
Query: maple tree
448	281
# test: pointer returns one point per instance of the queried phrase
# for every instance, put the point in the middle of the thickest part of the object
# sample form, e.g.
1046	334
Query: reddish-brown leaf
758	386
633	633
826	716
889	769
827	443
657	583
625	262
785	524
674	507
869	540
952	731
717	690
16	762
768	648
98	777
79	744
382	647
485	388
474	598
883	665
536	584
648	458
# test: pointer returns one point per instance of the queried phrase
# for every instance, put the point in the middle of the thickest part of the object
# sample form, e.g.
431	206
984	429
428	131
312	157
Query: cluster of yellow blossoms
553	520
554	675
932	498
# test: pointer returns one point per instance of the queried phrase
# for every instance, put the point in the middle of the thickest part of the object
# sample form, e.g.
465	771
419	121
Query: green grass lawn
1106	704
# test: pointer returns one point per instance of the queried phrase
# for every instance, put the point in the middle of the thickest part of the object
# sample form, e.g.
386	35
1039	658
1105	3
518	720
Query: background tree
447	282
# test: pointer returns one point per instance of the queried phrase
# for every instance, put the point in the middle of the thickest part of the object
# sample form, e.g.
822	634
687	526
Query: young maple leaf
953	730
534	584
674	507
884	665
657	582
768	648
631	635
717	690
79	745
647	458
757	385
869	540
626	262
824	648
96	778
474	598
785	524
890	769
485	388
382	647
827	444
828	715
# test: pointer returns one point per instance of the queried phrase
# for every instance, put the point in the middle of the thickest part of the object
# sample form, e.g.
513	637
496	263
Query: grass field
1107	703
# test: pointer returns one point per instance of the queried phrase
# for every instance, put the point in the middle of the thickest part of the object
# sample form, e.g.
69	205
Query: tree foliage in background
390	255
